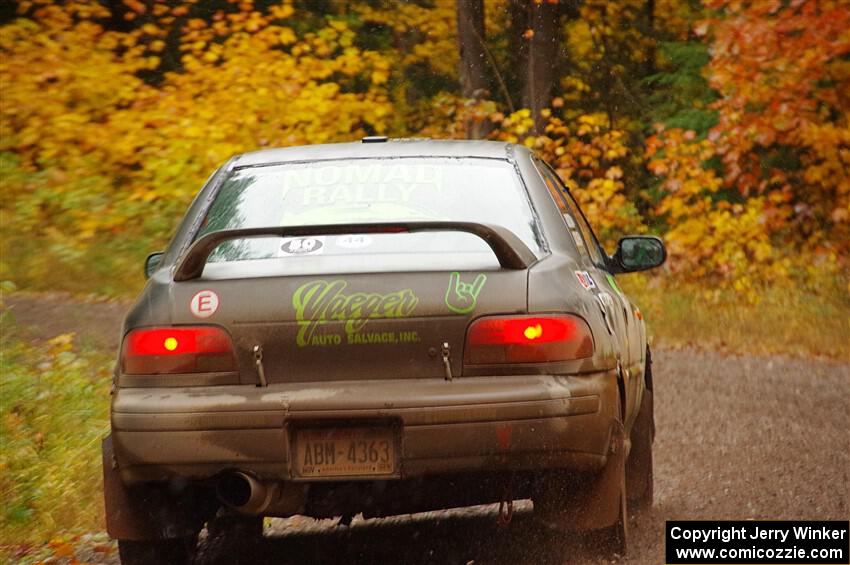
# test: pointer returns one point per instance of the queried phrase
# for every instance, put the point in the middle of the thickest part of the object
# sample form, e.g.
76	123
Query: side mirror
639	253
152	263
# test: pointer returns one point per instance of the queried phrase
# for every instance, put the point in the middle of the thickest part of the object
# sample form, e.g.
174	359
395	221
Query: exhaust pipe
244	493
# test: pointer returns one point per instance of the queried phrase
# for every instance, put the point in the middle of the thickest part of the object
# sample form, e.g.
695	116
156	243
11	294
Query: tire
639	474
613	541
179	551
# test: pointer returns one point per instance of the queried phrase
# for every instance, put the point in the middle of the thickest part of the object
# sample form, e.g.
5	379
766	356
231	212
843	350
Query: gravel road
762	437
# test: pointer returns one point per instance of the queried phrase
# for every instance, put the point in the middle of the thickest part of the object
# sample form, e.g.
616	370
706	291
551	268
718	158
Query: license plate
344	452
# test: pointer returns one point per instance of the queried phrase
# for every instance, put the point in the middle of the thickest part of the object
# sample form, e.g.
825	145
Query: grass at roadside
54	410
795	321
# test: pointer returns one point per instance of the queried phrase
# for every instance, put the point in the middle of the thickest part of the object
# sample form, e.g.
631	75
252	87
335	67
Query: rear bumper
521	423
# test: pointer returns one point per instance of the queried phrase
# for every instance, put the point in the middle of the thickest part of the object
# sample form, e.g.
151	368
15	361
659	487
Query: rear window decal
318	302
462	297
352	191
303	245
204	304
354	241
585	280
347	194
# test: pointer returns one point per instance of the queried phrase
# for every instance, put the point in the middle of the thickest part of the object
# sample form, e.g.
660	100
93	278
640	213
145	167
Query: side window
576	224
572	226
589	236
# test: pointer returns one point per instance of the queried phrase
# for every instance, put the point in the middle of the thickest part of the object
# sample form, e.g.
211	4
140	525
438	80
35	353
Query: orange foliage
783	73
770	185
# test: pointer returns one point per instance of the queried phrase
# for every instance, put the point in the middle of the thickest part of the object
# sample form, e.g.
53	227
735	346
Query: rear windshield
370	191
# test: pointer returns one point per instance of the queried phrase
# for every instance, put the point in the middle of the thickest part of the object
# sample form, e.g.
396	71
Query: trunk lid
353	326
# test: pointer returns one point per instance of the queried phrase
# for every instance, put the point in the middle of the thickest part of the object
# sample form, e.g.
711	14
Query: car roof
377	148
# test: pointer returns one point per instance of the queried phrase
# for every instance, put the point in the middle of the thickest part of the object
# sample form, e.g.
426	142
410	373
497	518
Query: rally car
380	327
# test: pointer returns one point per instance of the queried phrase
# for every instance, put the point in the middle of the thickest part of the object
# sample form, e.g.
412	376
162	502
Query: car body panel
292	318
522	419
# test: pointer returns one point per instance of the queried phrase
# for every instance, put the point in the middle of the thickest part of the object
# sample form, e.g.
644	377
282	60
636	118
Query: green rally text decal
318	302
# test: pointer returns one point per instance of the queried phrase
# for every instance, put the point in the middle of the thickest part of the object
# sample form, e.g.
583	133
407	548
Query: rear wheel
639	475
178	551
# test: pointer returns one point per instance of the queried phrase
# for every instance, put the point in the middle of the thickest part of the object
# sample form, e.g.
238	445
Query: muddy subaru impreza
382	327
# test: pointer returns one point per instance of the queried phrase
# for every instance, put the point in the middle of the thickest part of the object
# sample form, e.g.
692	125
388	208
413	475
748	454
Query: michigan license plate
344	452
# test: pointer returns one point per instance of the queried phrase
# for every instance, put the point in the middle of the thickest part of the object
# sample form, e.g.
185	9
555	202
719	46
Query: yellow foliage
431	30
605	32
590	157
449	116
717	242
675	17
93	151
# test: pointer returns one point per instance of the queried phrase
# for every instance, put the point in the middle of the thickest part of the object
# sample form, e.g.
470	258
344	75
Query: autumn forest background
721	125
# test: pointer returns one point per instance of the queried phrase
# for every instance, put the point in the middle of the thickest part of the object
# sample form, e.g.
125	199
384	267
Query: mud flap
146	512
592	504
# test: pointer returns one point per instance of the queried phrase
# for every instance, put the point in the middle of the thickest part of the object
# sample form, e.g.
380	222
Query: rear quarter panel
552	283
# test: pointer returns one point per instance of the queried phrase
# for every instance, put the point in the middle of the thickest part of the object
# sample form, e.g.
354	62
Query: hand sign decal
462	297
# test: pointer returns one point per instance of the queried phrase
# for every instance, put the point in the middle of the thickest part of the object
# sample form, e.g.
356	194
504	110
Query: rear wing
510	250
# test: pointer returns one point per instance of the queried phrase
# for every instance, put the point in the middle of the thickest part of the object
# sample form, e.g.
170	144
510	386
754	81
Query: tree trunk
542	60
472	59
650	31
538	74
519	24
470	35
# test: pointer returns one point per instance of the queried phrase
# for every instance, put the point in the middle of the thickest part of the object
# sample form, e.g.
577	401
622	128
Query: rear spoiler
510	250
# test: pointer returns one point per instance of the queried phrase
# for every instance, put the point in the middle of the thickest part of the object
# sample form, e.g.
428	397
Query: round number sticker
204	304
302	245
354	241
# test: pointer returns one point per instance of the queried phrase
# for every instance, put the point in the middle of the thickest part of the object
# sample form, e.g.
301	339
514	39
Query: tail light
153	351
527	339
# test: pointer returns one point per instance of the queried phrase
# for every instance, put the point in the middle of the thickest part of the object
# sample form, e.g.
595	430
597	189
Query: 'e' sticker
585	280
303	245
204	304
461	297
